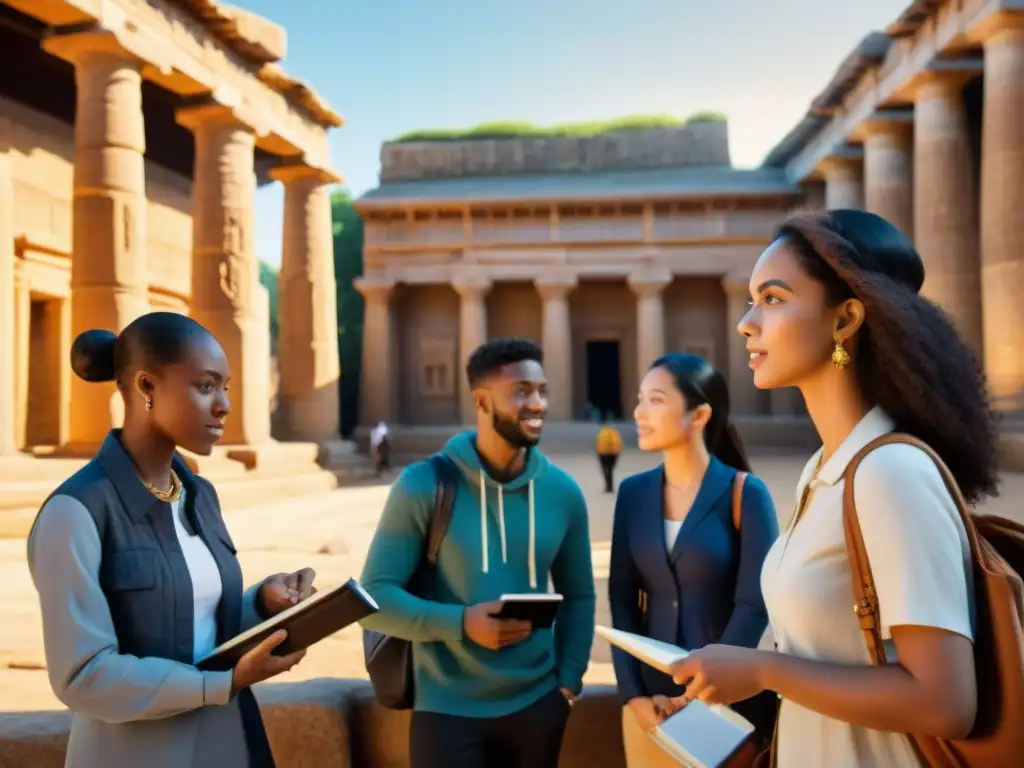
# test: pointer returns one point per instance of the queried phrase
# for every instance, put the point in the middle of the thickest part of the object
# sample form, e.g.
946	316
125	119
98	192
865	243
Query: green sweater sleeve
395	553
572	574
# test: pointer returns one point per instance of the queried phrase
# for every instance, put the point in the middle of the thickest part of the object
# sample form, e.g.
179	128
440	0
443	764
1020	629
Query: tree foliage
509	129
269	280
348	265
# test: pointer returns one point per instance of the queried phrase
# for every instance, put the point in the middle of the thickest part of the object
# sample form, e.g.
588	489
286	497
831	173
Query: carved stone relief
436	376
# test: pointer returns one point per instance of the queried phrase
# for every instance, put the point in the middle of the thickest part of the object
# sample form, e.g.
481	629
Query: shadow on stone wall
328	722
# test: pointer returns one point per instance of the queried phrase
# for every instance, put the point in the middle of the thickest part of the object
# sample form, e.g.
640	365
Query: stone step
410	443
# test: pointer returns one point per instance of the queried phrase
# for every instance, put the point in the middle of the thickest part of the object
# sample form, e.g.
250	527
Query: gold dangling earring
840	357
149	399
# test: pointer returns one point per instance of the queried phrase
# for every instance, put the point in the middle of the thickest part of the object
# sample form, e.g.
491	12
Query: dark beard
511	433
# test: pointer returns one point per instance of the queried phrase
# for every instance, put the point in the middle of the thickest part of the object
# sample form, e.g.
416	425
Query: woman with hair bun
836	312
138	577
690	535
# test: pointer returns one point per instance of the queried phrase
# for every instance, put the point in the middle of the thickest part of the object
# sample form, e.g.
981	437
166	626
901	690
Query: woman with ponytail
137	575
689	540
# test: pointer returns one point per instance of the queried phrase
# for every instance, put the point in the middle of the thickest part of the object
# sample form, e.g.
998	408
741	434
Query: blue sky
390	66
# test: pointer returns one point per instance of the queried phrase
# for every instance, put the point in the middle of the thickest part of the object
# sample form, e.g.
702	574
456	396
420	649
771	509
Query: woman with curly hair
835	311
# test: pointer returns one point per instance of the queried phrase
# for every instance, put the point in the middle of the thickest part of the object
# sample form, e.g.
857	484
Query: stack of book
698	735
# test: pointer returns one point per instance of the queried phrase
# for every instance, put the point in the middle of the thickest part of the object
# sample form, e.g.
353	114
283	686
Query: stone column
109	285
472	333
307	350
1002	225
8	443
744	397
556	340
945	204
889	172
22	349
227	297
648	286
844	187
378	374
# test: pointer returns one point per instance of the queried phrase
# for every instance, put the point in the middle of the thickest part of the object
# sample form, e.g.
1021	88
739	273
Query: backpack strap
737	499
444	502
865	599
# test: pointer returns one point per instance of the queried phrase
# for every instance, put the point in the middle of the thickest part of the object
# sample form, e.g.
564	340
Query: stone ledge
698	143
331	722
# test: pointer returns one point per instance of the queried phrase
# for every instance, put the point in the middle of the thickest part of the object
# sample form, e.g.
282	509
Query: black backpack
389	659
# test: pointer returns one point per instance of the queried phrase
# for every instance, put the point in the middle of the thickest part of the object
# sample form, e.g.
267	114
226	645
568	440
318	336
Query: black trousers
608	462
529	738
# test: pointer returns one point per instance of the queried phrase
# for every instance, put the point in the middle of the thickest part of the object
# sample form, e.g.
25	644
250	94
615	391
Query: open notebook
699	735
307	623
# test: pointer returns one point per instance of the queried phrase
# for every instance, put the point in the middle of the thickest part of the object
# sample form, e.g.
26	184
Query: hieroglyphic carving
436	367
234	265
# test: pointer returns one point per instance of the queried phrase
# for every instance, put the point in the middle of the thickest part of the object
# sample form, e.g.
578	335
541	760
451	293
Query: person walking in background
489	691
836	311
608	446
688	542
137	575
380	447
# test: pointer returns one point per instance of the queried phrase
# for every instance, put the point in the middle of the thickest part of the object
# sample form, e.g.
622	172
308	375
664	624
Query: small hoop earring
149	400
840	357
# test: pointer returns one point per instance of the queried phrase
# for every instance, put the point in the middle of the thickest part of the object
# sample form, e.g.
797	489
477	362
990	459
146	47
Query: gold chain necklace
172	494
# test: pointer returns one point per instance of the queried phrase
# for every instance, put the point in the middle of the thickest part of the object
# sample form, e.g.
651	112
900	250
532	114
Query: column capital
291	172
374	288
648	280
211	111
737	282
998	27
897	122
554	287
472	286
116	41
844	165
943	77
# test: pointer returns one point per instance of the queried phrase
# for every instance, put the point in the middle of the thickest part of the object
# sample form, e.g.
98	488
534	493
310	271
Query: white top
206	585
377	434
672	528
920	561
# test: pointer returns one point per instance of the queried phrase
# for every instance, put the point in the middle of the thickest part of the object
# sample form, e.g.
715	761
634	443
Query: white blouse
920	560
206	585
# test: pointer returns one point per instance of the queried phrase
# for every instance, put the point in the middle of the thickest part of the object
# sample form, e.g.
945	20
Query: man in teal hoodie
490	692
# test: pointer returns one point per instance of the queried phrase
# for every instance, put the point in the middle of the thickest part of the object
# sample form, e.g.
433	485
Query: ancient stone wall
692	144
42	161
332	722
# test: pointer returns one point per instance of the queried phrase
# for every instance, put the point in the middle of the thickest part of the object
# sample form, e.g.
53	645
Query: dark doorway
604	388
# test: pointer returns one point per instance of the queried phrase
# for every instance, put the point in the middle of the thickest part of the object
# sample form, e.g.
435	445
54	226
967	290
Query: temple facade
611	249
607	250
133	134
923	124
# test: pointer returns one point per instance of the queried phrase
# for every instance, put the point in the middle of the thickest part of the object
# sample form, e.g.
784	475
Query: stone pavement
331	533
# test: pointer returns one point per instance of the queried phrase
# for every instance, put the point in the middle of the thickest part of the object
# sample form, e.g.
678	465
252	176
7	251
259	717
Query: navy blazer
707	590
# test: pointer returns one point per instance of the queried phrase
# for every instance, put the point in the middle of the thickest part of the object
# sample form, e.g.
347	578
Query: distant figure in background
380	447
608	446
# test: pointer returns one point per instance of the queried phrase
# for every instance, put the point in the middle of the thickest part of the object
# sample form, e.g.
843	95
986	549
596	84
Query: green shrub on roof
508	129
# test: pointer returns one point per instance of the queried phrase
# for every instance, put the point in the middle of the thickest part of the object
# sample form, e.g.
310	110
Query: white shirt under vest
206	584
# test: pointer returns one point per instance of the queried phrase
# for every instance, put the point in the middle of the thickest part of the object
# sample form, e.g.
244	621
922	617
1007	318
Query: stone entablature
900	137
198	48
569	224
695	143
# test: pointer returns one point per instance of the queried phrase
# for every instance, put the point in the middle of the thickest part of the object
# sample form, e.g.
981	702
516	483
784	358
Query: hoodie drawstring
501	527
533	539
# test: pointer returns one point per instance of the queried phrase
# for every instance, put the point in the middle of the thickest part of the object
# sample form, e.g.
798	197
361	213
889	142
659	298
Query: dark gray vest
143	572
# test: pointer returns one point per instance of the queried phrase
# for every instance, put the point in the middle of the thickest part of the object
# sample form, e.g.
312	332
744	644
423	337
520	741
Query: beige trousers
641	751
